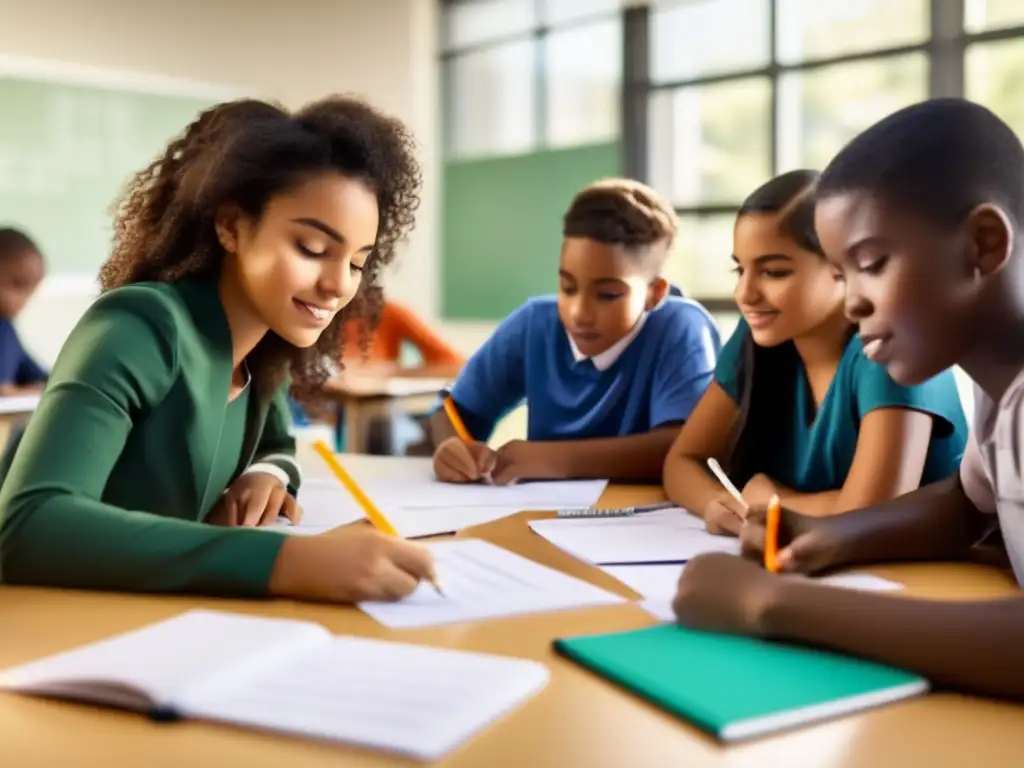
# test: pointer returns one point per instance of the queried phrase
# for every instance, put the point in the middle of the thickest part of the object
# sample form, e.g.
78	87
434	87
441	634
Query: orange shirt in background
399	324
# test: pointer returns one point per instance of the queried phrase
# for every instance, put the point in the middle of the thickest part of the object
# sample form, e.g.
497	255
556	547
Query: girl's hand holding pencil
725	514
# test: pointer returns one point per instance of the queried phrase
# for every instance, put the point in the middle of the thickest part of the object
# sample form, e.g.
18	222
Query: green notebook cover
738	687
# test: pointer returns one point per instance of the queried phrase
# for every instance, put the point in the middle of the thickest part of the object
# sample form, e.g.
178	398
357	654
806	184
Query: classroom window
523	75
468	24
993	75
555	12
985	15
708	144
584	69
738	91
701	262
492	94
708	37
818	29
820	110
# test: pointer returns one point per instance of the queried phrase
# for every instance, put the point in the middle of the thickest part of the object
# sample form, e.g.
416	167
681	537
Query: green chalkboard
502	226
66	150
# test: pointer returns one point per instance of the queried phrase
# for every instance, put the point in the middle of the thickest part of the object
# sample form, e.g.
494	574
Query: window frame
537	35
944	47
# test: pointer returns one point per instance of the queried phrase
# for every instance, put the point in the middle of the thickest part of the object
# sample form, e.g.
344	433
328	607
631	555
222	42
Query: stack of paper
417	504
482	581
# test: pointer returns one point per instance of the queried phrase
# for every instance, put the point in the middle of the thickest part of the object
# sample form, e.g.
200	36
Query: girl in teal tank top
795	408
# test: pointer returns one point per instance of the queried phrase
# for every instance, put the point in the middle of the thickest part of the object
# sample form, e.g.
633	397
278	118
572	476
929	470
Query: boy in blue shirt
21	271
609	368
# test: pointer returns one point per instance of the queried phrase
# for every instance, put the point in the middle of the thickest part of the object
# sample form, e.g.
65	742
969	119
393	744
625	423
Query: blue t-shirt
816	454
16	365
657	380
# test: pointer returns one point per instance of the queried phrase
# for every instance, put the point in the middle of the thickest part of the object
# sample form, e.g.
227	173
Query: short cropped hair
939	159
621	212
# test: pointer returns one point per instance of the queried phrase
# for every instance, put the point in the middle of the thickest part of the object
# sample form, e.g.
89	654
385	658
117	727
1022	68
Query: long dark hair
766	392
247	152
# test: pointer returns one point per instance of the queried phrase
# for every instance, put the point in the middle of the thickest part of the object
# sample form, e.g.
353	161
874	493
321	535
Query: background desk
578	721
361	399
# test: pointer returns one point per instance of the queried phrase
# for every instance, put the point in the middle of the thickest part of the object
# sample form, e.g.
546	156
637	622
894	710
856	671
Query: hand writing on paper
523	460
457	461
724	516
806	544
724	593
350	565
255	498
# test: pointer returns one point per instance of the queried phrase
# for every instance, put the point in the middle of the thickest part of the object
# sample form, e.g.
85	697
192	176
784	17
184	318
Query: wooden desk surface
578	720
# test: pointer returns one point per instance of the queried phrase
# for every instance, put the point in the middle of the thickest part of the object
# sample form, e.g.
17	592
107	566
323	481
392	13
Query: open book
292	677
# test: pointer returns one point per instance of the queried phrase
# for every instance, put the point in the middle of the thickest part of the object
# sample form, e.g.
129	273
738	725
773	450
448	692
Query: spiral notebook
292	677
736	687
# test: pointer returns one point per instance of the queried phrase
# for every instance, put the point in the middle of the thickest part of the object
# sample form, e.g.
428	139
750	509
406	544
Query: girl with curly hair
162	442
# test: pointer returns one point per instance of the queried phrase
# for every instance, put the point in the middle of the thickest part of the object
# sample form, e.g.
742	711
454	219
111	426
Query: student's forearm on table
973	647
633	457
936	522
80	543
689	485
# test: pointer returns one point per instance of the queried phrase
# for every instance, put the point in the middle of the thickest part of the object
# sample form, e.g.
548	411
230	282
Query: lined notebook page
417	701
162	661
482	581
665	536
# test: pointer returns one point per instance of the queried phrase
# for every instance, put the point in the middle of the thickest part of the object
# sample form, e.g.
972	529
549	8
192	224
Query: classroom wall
292	51
502	225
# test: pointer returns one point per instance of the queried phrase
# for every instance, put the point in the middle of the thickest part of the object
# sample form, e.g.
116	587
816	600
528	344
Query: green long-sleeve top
131	446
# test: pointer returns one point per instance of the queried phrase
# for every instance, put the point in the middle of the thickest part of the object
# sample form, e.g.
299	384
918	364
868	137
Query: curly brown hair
246	152
621	212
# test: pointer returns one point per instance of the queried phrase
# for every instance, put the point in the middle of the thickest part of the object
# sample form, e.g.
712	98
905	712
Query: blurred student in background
21	271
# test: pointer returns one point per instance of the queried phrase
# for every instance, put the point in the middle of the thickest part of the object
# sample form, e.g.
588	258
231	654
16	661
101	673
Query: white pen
726	482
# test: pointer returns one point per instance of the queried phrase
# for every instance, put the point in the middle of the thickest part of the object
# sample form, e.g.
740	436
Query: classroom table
577	720
363	398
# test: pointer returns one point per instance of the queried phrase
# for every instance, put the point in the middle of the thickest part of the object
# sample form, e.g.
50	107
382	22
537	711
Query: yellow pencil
456	420
373	514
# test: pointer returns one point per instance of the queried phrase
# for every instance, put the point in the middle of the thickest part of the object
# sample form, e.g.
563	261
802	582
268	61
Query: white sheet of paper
416	522
665	536
863	581
412	700
19	404
657	584
325	505
412	484
417	505
163	661
483	581
651	581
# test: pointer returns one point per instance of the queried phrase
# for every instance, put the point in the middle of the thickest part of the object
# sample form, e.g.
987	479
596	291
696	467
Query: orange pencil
771	535
456	420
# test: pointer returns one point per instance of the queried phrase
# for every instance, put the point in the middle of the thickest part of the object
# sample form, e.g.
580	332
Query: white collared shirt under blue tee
652	377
